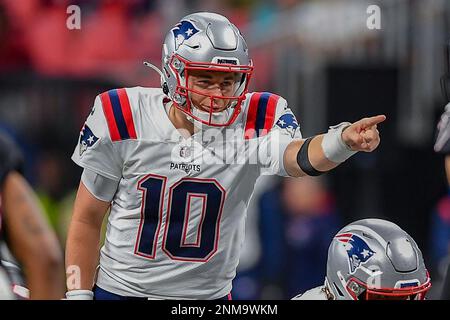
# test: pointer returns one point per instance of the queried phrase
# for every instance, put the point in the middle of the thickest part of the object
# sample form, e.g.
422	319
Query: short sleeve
271	146
95	150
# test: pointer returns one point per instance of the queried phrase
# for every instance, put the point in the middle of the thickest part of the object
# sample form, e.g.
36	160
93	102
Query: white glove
80	295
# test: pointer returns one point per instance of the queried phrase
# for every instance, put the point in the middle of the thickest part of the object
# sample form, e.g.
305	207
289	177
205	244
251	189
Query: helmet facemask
361	291
207	115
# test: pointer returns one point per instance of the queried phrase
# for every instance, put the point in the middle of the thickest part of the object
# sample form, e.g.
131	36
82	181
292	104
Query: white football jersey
177	220
317	293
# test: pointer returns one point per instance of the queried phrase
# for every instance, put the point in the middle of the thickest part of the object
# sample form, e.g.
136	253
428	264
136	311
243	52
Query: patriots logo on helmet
358	250
288	122
183	31
87	139
185	152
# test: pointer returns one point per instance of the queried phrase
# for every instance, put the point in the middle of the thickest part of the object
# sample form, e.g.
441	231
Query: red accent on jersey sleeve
127	114
251	116
109	115
270	113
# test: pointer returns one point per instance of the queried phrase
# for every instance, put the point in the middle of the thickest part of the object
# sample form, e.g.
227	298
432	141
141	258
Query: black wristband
303	160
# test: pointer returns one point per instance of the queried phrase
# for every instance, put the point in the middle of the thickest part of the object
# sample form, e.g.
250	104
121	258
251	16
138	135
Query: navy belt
101	294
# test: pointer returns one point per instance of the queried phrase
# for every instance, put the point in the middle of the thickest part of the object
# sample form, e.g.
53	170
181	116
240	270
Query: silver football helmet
210	42
375	259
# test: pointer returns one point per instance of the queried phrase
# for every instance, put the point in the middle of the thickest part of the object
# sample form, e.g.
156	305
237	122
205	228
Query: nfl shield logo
185	152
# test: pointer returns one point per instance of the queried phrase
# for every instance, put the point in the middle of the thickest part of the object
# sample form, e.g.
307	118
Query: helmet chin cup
165	88
217	117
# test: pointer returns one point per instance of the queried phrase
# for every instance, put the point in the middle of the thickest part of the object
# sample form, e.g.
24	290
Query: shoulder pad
117	110
260	114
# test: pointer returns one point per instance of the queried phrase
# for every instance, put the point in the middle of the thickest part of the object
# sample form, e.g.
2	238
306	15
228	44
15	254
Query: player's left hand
363	134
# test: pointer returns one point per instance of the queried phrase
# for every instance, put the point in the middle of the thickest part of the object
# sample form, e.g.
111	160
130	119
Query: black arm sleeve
11	158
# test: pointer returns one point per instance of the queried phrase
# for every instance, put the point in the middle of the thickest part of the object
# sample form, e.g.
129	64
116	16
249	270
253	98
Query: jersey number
174	244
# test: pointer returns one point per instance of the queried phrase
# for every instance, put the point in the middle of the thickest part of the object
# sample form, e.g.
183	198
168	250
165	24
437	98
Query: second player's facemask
221	110
414	291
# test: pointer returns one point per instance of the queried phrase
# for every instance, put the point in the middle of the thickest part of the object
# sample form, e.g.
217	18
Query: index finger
369	122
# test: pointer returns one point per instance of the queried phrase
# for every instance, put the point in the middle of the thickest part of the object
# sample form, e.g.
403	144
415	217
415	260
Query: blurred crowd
113	35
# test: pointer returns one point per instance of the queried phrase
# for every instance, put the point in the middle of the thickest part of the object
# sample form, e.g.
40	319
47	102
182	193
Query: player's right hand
363	134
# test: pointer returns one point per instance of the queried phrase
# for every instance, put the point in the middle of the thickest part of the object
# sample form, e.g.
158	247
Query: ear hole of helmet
165	88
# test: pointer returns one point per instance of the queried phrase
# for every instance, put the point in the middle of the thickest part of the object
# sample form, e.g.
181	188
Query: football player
442	146
372	259
177	166
25	231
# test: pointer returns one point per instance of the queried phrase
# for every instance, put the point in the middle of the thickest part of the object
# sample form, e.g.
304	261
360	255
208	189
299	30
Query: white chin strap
216	118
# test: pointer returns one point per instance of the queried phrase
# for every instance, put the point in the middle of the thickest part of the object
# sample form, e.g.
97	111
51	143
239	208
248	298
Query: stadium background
319	55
